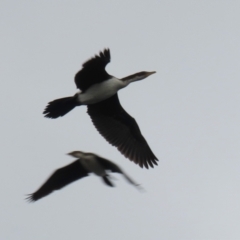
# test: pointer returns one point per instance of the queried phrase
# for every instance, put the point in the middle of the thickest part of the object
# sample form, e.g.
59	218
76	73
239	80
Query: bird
98	90
85	164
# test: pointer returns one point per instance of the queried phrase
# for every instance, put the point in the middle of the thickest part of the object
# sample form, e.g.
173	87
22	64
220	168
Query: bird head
142	75
137	76
76	154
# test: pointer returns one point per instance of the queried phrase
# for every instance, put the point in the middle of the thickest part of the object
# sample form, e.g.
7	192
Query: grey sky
188	112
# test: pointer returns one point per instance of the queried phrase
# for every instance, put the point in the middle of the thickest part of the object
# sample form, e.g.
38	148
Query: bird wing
107	164
116	169
59	179
121	130
93	71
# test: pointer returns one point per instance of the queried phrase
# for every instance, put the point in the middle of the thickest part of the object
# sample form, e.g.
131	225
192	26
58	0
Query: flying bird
85	164
98	90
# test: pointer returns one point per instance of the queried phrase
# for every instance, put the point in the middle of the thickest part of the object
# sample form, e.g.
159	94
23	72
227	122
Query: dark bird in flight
85	164
98	90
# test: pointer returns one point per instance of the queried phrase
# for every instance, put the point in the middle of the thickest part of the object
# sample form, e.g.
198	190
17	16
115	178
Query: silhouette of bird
85	164
98	90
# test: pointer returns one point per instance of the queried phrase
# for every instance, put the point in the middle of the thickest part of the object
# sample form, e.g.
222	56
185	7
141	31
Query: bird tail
107	181
60	107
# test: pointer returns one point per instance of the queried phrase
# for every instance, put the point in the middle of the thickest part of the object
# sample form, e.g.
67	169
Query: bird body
98	90
85	164
90	162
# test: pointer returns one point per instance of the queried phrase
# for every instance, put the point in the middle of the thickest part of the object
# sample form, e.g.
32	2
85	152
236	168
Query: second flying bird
98	90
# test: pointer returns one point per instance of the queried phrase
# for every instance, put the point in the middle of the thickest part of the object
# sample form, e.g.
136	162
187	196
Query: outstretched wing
59	179
109	165
114	168
121	130
93	71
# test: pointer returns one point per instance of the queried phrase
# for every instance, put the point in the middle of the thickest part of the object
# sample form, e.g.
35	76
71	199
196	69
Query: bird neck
131	78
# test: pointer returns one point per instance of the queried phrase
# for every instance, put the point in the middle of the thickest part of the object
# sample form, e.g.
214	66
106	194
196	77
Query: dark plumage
121	130
93	71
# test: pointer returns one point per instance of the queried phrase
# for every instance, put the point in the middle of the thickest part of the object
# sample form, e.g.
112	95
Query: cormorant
85	164
98	90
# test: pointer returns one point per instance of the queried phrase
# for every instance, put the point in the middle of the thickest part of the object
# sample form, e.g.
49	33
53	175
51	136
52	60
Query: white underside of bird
101	91
92	165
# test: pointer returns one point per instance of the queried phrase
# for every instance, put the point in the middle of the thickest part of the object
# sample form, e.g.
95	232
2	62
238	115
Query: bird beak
150	73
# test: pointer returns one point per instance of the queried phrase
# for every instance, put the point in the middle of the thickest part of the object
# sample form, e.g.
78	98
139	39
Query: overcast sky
188	112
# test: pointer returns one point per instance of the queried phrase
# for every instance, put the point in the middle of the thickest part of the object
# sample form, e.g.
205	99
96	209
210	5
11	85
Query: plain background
188	112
